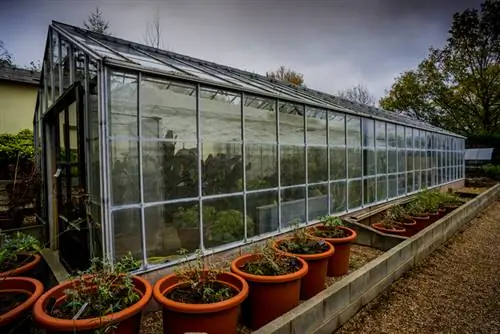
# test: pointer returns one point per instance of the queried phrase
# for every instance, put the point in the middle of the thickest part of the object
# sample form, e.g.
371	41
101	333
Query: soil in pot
316	253
274	281
389	229
341	238
24	265
194	312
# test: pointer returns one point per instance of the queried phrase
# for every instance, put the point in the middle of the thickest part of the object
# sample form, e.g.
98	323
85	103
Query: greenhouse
150	151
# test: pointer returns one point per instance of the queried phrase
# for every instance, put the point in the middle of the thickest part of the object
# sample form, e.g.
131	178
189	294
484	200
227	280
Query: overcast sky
334	43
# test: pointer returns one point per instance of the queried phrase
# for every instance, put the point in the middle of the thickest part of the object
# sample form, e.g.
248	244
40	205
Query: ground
455	290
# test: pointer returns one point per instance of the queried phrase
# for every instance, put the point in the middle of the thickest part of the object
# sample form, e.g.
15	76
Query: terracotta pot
422	222
29	262
315	279
338	264
433	216
12	321
270	296
220	317
450	207
397	230
127	321
410	225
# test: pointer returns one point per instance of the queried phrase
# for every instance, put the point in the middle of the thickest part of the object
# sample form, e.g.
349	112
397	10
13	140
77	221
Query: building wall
17	105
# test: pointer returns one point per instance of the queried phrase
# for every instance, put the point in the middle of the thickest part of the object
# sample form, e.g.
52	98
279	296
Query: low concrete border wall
331	308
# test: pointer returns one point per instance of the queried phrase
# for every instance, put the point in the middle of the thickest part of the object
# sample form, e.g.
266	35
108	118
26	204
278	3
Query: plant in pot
275	282
104	299
430	204
228	226
416	210
199	298
18	254
17	297
398	214
390	226
450	201
187	222
333	230
315	252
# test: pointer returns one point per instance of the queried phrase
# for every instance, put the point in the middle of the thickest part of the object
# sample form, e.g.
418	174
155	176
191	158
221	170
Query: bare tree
152	37
5	56
96	23
358	94
286	74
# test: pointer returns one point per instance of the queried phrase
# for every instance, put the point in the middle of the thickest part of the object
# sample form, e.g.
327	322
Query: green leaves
21	144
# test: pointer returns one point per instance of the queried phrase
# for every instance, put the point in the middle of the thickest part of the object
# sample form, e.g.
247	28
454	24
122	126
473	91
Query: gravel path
455	290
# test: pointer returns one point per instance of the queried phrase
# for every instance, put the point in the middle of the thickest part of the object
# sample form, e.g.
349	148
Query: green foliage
330	228
20	144
228	226
189	217
13	246
271	263
456	87
301	243
99	291
492	171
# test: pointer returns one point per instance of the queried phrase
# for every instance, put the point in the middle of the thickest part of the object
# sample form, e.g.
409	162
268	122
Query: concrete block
275	327
408	251
393	262
377	273
329	326
377	289
358	283
309	319
405	266
336	301
349	311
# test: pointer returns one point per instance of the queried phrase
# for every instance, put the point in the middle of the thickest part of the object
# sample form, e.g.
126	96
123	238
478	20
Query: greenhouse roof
479	154
126	54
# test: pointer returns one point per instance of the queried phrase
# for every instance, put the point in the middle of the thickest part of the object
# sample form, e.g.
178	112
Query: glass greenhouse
150	151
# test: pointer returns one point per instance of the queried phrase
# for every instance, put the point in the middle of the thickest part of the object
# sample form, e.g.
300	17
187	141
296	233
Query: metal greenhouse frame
257	155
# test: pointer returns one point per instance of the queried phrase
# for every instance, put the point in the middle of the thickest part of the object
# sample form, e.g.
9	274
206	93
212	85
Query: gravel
455	290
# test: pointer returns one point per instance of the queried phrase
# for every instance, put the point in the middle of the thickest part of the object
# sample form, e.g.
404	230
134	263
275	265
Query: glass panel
338	197
318	201
171	227
316	126
122	105
368	133
391	135
369	190
168	110
262	208
223	221
401	161
261	165
409	161
64	61
393	186
336	128
369	162
401	136
222	168
337	163
55	64
409	184
381	161
401	184
260	120
409	137
354	159
293	208
127	233
393	160
170	170
317	164
291	119
380	134
353	131
355	194
124	164
416	181
381	188
292	165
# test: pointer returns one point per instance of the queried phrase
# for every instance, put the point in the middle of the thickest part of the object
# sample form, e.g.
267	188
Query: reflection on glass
127	233
168	110
338	195
393	186
409	161
337	163
222	168
391	135
353	131
409	137
336	128
416	181
317	164
318	201
124	164
170	170
368	133
260	119
380	134
392	161
369	190
381	161
354	160
261	165
401	184
316	126
122	105
262	209
223	221
291	118
293	206
381	188
355	194
401	161
409	182
292	165
400	131
369	162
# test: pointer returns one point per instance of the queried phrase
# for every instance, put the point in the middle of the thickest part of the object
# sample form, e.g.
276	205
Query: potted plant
18	255
389	226
17	296
398	215
315	252
275	282
450	201
333	230
228	226
430	204
417	212
187	222
200	299
105	298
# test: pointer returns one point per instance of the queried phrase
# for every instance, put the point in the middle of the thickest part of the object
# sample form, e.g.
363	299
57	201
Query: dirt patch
455	290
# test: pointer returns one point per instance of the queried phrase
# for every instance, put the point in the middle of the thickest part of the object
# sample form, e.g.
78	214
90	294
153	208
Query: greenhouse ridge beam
302	95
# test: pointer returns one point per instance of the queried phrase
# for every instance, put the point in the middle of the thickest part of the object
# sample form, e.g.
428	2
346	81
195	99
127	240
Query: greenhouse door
69	200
